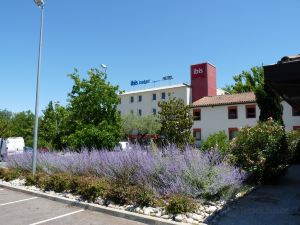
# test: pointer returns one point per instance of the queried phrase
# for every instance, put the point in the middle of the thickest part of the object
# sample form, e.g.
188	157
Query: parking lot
22	209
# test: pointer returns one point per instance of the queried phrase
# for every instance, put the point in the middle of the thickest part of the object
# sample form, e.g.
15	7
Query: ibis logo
198	71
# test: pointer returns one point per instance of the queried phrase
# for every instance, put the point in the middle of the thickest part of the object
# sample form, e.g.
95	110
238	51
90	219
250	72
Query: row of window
232	132
140	112
154	96
233	112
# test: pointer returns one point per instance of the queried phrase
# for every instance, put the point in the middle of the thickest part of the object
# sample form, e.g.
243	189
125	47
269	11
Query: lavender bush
169	171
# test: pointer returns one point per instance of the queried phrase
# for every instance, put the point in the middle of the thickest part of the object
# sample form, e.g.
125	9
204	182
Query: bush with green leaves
90	188
262	151
181	204
217	140
293	139
10	174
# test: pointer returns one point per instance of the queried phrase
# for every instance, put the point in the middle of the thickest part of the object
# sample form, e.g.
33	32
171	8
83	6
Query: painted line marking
57	217
23	200
1	189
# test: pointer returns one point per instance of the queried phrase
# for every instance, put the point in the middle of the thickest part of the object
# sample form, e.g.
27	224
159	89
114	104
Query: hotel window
250	111
153	96
163	95
140	112
197	134
154	111
232	112
296	128
140	98
296	112
131	99
232	132
131	112
197	114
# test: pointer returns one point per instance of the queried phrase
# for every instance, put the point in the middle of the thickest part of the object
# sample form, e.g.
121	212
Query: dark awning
284	78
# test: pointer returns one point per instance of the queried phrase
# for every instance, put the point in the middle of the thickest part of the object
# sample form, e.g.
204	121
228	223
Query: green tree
93	119
5	123
22	125
218	141
53	126
176	122
269	103
247	81
140	125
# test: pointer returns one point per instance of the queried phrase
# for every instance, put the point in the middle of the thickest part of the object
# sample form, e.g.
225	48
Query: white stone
166	216
158	214
180	218
197	217
190	220
211	209
148	211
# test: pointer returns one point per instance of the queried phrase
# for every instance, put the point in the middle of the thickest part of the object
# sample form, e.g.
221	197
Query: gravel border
95	207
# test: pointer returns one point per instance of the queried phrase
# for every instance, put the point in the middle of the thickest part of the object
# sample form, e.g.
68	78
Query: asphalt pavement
269	204
22	209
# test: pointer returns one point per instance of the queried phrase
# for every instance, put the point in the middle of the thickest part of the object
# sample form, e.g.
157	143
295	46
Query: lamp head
39	3
104	66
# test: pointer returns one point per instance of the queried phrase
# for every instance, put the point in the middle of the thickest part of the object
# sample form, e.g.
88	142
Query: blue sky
138	40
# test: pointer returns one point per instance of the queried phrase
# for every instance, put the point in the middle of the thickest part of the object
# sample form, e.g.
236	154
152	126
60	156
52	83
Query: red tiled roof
247	97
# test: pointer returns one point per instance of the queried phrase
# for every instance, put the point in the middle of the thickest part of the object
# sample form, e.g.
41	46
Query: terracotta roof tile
247	97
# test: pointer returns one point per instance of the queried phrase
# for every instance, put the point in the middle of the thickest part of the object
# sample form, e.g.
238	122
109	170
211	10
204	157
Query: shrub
293	139
31	179
90	189
262	151
181	204
218	140
2	173
58	182
11	174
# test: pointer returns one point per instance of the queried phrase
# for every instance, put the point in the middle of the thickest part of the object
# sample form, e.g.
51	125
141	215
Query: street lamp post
104	67
40	4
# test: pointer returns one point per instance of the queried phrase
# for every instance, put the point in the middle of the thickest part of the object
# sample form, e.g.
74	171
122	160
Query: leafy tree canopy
247	81
142	125
176	122
93	119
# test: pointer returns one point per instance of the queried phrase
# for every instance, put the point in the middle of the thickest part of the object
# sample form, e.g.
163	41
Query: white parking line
23	200
57	217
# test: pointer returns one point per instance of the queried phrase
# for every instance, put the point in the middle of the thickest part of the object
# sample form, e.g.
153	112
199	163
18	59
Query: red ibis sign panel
198	70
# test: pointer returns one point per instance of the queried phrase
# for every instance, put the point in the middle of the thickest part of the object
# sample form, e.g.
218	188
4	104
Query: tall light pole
40	4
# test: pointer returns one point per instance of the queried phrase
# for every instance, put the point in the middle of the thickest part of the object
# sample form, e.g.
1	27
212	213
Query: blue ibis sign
136	82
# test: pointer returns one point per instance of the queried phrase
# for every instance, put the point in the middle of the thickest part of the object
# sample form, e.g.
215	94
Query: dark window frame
140	98
232	116
252	115
154	97
196	117
195	130
230	130
131	99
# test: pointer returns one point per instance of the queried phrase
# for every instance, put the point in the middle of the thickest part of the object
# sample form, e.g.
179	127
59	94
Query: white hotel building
212	109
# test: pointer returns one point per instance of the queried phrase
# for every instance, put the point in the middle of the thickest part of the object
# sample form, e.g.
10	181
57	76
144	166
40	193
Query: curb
98	208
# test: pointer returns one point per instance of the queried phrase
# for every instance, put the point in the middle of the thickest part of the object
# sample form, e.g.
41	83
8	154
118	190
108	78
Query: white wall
289	120
214	119
147	104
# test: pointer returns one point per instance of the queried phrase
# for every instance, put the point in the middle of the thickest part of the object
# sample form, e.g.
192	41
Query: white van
11	145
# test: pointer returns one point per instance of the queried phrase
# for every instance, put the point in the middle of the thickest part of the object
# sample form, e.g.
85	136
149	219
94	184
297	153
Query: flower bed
187	186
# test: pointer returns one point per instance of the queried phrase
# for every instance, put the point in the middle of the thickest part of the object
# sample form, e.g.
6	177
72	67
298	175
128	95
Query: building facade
212	109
